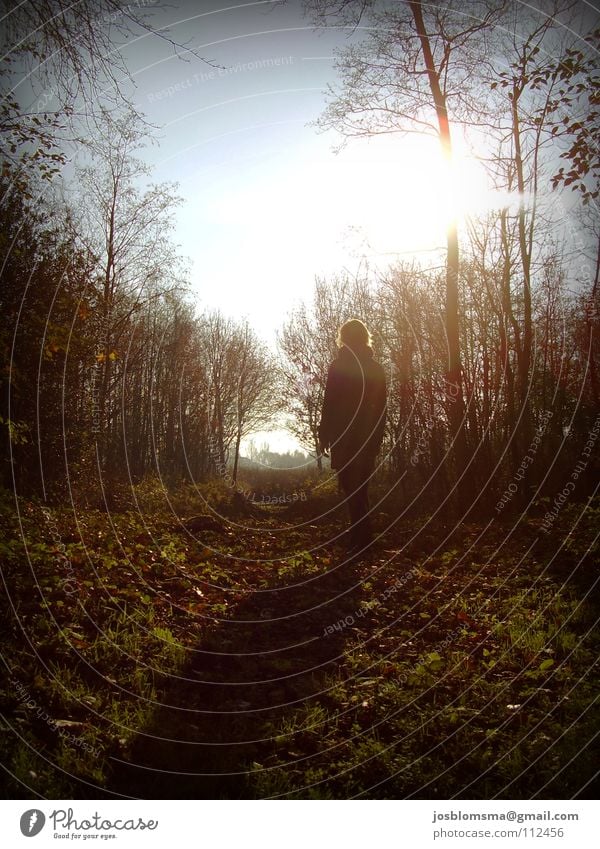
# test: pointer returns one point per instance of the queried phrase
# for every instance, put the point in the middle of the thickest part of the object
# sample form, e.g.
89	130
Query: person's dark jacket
354	408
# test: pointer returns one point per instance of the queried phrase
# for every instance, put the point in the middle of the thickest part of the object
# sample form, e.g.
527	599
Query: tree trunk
590	314
236	455
318	453
525	358
454	388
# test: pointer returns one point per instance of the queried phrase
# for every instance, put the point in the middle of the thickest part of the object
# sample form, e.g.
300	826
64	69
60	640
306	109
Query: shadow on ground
247	673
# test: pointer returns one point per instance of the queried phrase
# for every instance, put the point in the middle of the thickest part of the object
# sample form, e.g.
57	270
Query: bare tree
307	343
128	231
258	395
303	370
530	94
63	66
414	71
219	352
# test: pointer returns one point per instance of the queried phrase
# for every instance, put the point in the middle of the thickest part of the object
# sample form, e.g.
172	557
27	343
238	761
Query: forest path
276	650
250	659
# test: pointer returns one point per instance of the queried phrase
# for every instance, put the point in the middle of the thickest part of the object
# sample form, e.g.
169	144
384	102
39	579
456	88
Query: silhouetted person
352	423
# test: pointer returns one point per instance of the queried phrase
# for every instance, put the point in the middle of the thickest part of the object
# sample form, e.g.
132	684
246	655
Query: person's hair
354	334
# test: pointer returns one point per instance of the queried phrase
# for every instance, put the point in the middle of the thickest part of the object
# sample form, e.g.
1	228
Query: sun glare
380	199
408	194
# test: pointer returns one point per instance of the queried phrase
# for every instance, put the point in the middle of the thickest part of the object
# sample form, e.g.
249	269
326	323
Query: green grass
473	678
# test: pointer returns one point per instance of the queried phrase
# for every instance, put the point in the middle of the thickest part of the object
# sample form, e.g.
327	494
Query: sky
268	202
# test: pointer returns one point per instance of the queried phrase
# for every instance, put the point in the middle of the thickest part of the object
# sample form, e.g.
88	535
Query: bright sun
406	195
294	215
383	198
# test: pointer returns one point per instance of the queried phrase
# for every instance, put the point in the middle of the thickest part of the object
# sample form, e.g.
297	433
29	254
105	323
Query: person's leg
362	533
346	488
354	479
